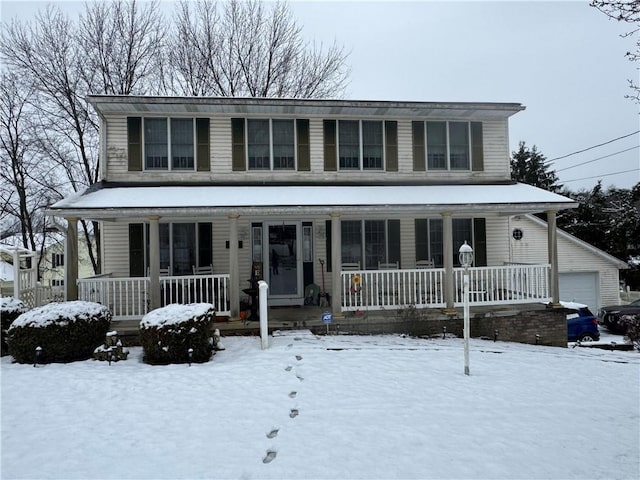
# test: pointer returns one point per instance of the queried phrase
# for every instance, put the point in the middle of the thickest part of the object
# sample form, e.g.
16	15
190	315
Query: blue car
582	325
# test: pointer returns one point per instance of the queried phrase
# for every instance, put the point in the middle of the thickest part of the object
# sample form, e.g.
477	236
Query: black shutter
205	244
418	146
330	153
391	145
393	234
477	151
136	250
238	155
422	239
203	159
480	242
134	141
304	152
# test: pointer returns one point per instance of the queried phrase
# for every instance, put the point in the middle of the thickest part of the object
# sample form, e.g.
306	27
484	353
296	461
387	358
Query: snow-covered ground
329	407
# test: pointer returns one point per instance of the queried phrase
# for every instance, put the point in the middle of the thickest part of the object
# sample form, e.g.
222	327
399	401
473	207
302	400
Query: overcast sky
563	60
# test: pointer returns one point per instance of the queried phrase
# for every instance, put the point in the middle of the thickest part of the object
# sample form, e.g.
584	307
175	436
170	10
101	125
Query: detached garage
586	274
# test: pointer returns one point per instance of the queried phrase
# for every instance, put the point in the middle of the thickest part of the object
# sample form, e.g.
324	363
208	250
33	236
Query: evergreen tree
529	166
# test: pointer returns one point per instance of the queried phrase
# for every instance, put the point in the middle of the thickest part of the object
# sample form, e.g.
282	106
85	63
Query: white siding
115	248
497	241
496	158
572	256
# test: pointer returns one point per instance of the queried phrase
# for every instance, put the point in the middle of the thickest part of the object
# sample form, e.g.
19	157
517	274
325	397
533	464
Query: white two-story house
368	200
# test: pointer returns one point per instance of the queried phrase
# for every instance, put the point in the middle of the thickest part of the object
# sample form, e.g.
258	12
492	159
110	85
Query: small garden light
37	355
109	354
190	355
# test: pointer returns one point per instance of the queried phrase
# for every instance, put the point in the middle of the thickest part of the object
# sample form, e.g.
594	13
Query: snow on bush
167	334
66	331
10	309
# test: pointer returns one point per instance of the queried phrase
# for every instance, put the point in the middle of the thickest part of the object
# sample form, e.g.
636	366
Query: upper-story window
161	143
360	145
169	138
271	144
447	145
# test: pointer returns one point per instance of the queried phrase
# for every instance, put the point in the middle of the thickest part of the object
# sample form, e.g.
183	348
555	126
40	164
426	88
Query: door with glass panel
283	263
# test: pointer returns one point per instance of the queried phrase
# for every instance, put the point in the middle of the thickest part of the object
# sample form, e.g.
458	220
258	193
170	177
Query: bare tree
26	183
241	48
123	46
114	48
47	55
627	11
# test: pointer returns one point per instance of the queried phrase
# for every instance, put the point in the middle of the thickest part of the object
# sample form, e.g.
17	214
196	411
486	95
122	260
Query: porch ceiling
193	201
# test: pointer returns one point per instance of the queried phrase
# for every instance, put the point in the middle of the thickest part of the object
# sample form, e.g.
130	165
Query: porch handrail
502	285
391	289
395	289
128	297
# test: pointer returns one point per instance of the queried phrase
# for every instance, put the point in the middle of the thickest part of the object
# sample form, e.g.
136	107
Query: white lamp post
466	259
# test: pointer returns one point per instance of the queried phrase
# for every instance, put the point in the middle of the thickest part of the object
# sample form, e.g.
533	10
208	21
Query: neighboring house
586	274
51	264
370	200
52	267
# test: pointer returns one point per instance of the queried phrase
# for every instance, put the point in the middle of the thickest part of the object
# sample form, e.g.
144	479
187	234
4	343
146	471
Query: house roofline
582	243
293	106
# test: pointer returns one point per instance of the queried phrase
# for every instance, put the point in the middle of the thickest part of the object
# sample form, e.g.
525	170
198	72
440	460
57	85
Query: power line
596	159
591	148
600	176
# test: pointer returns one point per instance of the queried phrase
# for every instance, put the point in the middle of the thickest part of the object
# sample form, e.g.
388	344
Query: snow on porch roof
128	201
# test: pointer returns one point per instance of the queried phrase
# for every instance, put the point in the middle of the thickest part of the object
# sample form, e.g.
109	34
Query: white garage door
581	287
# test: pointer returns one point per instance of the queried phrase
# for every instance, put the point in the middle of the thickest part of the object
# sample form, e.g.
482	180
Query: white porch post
154	262
71	262
336	264
447	253
234	272
552	241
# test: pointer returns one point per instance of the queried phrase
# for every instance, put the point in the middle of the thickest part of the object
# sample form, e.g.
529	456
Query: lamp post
466	259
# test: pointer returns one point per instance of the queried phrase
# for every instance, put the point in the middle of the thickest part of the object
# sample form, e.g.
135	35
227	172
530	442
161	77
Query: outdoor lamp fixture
466	259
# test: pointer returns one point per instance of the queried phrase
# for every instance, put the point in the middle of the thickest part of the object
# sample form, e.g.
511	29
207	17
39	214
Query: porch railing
392	289
504	285
423	288
128	298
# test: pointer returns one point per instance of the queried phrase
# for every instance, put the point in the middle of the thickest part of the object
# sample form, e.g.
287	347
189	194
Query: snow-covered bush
66	331
631	323
167	334
10	309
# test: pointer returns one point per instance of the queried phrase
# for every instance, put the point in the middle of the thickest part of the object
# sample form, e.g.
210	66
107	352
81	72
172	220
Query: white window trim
361	146
169	157
448	149
271	168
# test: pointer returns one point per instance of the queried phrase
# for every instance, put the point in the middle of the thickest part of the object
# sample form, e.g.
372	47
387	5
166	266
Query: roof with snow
121	201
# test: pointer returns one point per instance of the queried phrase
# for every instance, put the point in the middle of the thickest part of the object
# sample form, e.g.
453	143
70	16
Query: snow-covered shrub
631	323
66	331
168	333
10	309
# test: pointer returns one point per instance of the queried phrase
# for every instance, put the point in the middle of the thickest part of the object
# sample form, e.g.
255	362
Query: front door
284	275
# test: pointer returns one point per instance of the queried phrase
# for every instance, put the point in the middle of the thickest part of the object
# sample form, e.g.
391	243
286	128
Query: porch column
447	253
154	262
234	271
336	264
71	262
552	246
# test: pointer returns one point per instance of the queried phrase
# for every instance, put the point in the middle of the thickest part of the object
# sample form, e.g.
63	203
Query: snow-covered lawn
336	407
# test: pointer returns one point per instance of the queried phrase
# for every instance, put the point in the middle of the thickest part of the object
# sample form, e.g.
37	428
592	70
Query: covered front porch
350	288
360	290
